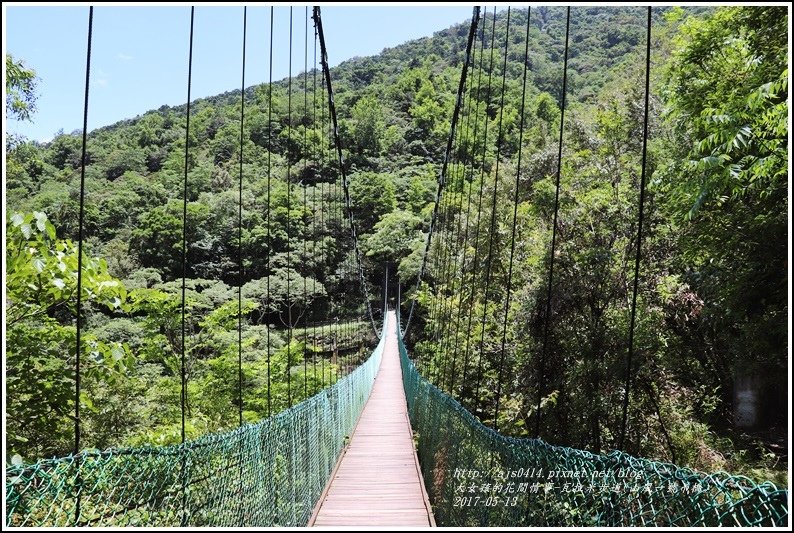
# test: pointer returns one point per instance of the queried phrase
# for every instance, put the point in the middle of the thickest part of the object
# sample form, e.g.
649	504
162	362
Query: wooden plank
377	481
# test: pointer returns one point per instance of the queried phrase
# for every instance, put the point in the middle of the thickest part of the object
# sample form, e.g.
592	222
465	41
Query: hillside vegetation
713	278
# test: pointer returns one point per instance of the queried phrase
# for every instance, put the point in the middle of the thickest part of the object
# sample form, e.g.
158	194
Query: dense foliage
713	279
712	294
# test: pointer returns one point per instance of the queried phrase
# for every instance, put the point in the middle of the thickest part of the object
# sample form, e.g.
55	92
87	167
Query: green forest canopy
713	280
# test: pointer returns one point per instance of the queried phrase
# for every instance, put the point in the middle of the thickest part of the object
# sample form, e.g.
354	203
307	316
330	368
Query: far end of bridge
377	481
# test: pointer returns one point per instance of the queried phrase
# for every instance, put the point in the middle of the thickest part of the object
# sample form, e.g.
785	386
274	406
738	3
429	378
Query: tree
118	162
396	235
275	301
727	91
20	89
421	191
728	87
20	105
372	195
158	238
426	110
64	151
40	311
546	109
711	295
368	126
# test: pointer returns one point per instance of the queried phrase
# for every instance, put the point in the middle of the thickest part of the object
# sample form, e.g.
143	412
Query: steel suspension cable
289	217
79	303
449	251
184	221
500	371
346	191
290	302
547	317
333	219
240	236
323	205
473	290
456	455
337	221
80	230
445	241
447	152
399	300
342	309
183	465
385	301
240	270
453	248
439	270
305	201
638	256
314	214
267	216
446	338
492	226
333	252
348	320
474	145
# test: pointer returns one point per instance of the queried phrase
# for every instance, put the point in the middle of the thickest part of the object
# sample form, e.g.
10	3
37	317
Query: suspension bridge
387	444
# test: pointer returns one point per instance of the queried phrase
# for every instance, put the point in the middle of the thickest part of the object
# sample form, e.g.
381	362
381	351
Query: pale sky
139	53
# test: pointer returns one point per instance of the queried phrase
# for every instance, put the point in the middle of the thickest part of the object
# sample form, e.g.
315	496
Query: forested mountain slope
713	281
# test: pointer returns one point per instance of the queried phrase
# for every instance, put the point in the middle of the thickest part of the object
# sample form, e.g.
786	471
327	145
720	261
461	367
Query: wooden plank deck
377	481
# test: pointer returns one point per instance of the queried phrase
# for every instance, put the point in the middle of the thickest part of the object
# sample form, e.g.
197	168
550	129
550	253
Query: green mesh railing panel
265	474
477	477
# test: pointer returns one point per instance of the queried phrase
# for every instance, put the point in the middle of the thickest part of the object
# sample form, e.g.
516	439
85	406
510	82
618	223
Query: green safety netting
476	477
265	474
